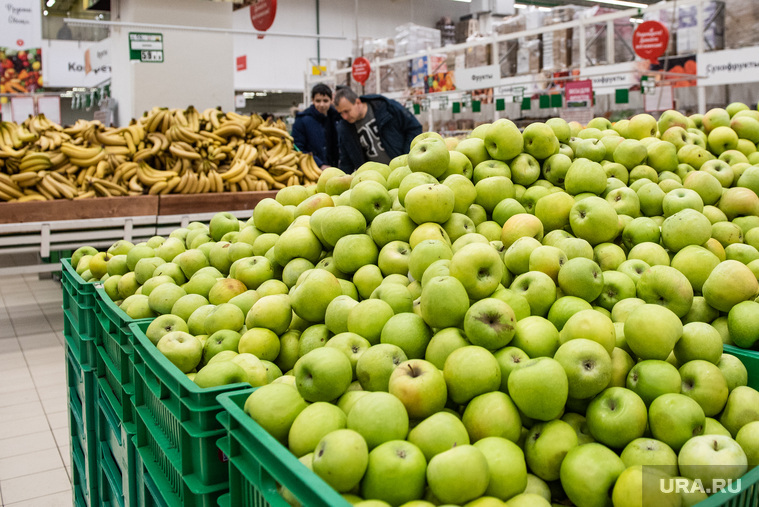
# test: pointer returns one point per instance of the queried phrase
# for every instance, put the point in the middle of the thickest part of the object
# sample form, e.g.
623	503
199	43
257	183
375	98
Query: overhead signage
262	14
361	69
650	40
476	78
730	66
146	47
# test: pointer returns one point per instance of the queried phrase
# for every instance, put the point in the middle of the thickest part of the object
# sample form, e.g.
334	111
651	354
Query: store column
169	67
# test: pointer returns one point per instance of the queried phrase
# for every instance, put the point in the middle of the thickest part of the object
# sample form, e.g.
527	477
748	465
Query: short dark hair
321	89
345	93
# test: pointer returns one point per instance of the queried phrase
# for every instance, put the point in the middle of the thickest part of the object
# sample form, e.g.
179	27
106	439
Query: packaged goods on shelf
411	38
421	68
507	50
741	18
595	39
447	31
557	44
714	28
529	56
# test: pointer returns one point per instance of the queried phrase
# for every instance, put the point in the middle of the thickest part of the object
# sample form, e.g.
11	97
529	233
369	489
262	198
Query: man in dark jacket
373	128
315	129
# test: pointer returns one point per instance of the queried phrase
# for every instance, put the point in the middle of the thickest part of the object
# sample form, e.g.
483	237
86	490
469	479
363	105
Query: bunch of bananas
165	151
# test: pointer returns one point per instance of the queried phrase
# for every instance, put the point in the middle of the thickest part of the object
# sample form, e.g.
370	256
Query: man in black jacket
315	129
373	128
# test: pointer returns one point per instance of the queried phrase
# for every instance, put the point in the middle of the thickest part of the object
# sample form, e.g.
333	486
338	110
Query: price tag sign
361	69
425	103
650	40
146	47
443	103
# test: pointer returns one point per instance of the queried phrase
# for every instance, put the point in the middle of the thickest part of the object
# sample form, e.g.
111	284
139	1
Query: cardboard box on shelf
467	28
741	20
394	77
508	49
478	56
529	56
411	38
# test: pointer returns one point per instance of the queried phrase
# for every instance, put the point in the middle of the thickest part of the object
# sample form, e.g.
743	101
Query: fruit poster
439	82
21	70
675	66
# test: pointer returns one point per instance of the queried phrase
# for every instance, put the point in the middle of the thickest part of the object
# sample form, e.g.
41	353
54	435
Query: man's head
321	95
349	105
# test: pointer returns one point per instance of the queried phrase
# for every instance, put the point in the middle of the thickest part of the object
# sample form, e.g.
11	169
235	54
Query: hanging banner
262	14
64	64
20	26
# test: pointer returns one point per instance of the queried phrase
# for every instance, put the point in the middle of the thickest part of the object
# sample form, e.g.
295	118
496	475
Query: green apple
492	190
555	168
223	316
350	344
424	254
503	140
379	417
645	485
650	452
703	382
310	298
225	289
271	216
224	339
182	349
525	169
430	203
617	287
470	371
396	473
261	342
489	168
312	424
420	386
741	323
594	220
588	368
616	417
458	475
546	445
490	323
713	460
536	336
540	388
699	341
506	465
442	344
696	263
540	140
666	286
740	409
538	289
438	433
444	301
521	225
582	278
675	418
592	325
729	283
323	374
492	414
585	175
220	373
652	331
588	473
271	312
341	458
409	332
684	228
734	371
429	155
652	378
748	439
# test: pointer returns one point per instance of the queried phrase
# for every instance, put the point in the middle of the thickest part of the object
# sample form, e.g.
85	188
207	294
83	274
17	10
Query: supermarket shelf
43	227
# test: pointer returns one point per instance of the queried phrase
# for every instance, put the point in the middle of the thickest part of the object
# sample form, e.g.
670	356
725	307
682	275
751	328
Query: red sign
262	13
361	69
650	40
579	93
242	62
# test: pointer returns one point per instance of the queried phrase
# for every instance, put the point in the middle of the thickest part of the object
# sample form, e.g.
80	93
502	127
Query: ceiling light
50	3
44	13
622	3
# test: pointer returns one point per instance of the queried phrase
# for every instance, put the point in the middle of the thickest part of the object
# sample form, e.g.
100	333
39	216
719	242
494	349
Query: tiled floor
35	468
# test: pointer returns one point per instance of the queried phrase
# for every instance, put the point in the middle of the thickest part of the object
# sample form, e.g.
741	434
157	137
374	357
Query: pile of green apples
515	318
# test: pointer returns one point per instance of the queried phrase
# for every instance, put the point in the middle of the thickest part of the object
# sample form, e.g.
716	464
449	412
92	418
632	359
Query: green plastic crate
116	452
176	428
83	480
81	342
81	416
147	491
110	488
258	463
748	496
115	342
78	298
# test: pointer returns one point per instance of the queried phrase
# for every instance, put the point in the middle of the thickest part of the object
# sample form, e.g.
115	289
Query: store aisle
34	437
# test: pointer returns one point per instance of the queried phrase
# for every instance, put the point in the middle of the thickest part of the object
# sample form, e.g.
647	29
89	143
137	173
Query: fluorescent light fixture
520	6
623	3
464	1
637	21
50	3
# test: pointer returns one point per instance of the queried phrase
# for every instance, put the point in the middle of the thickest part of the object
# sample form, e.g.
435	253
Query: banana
32	197
183	150
62	189
10	190
85	195
80	152
134	184
101	168
219	181
57	159
113	188
110	139
101	189
181	187
230	129
156	188
86	162
243	185
237	171
275	131
48	186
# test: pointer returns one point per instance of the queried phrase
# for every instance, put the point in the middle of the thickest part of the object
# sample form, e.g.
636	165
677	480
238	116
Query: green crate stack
116	454
79	299
148	494
258	463
114	358
81	386
177	429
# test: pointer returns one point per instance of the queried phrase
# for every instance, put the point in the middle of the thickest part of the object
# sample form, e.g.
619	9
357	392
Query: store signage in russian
361	69
20	25
730	66
477	78
262	14
65	64
608	78
579	93
650	40
146	47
